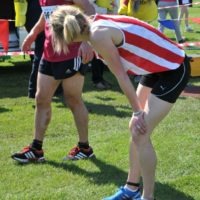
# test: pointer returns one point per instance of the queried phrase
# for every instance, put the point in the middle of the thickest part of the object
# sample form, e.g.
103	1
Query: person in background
7	12
58	68
38	46
184	12
15	36
170	7
129	45
97	68
96	65
31	19
139	9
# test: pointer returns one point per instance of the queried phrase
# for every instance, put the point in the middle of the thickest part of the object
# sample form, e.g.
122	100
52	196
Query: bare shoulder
99	34
106	35
101	41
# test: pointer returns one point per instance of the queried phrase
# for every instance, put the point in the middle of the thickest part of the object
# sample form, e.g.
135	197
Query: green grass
176	139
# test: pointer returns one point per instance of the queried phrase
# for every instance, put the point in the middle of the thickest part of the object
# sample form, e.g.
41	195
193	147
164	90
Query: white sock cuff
127	188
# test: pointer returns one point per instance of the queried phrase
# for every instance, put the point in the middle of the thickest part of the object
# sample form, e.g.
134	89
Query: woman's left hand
86	52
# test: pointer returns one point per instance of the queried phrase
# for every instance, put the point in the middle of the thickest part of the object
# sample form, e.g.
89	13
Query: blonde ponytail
66	22
71	28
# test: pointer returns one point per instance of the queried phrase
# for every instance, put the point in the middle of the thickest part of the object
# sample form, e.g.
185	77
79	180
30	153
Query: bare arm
39	27
30	38
103	44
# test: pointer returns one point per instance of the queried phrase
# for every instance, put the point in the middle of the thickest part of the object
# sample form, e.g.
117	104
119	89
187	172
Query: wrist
135	114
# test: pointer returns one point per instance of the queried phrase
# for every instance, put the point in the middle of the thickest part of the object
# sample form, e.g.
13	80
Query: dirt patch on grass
191	91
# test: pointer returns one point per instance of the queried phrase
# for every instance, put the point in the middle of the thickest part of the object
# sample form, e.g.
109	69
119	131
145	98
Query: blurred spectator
170	7
184	12
7	12
31	19
97	66
139	9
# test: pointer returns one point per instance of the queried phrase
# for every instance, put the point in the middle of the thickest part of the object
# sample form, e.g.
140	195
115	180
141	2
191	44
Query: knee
41	100
73	102
136	138
139	139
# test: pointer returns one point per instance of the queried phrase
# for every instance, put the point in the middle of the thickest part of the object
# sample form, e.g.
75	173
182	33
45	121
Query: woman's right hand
26	45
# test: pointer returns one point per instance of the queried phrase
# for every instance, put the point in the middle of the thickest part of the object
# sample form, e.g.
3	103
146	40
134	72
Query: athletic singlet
145	50
49	53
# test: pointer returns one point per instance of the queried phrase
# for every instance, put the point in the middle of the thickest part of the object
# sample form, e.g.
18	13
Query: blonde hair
67	22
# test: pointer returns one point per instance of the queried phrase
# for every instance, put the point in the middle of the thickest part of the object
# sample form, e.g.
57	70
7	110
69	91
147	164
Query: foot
77	153
124	194
29	154
182	41
103	85
188	29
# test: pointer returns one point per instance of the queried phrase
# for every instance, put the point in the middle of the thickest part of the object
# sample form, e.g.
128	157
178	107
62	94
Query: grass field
176	140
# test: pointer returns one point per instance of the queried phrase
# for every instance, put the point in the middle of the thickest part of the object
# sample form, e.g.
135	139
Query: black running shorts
168	85
63	69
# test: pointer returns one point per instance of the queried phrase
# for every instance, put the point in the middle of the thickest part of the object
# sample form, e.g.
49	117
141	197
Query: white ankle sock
127	188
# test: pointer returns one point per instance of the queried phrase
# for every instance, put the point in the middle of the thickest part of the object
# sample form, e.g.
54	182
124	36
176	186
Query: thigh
145	86
73	86
46	87
156	109
143	93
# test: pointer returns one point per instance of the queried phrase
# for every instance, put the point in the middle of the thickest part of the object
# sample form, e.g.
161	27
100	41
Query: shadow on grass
109	174
100	108
108	110
4	110
14	80
167	192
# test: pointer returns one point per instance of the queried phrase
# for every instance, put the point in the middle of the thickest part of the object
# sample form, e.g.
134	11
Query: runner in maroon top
59	68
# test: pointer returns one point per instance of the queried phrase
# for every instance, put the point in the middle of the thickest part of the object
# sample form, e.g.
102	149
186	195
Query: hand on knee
137	124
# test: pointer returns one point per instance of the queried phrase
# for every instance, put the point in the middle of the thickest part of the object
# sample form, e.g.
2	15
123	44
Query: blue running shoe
124	194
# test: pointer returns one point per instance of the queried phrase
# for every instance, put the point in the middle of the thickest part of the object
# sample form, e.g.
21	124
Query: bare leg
72	88
143	146
46	86
134	175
